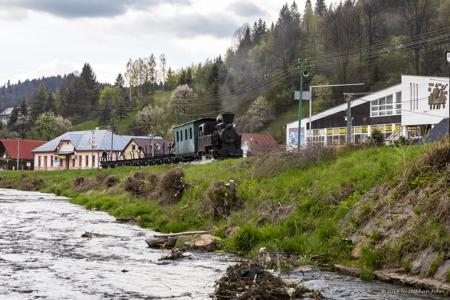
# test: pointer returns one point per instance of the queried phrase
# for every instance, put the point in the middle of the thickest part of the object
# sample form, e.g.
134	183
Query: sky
50	37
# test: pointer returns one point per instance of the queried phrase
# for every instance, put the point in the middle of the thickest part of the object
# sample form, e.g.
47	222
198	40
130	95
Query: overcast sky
50	37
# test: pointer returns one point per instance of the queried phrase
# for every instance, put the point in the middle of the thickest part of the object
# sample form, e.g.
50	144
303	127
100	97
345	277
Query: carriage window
190	133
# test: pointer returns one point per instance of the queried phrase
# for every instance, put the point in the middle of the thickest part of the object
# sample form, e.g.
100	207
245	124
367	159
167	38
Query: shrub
171	187
370	257
134	185
246	238
111	181
377	138
222	198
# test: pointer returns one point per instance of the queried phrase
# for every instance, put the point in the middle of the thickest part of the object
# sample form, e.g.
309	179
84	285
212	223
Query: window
181	135
177	137
39	161
190	133
385	106
51	161
79	161
73	161
133	147
87	161
185	134
93	160
398	103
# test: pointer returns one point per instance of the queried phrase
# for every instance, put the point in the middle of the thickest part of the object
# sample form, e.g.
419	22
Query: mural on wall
438	95
293	136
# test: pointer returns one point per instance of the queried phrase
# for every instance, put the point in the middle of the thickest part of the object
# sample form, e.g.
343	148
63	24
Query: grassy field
285	202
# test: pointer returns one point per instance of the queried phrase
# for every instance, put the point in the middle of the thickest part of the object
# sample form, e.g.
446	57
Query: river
43	256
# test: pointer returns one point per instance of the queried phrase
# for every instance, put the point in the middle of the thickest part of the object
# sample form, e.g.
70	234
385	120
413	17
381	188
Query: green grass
312	229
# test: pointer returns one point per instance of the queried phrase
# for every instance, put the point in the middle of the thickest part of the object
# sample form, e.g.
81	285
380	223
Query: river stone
443	270
205	242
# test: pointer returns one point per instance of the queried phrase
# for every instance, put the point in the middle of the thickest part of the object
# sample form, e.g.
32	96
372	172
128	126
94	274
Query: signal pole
301	67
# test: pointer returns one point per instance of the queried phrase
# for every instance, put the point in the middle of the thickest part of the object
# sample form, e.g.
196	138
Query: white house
411	109
5	115
79	150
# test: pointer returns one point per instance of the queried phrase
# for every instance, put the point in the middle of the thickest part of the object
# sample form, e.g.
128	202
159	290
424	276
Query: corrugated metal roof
258	142
25	148
7	111
82	141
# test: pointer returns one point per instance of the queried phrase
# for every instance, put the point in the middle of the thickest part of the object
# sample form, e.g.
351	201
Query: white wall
415	107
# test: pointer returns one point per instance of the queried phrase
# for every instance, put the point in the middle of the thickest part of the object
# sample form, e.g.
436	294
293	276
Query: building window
190	133
87	161
93	160
398	103
185	134
80	158
73	161
51	161
39	161
181	135
177	137
384	106
133	147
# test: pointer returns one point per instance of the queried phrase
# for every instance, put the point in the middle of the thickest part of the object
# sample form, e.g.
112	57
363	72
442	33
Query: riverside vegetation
372	207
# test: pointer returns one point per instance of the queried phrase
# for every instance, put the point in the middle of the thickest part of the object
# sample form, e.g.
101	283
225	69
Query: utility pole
349	98
349	118
301	67
18	152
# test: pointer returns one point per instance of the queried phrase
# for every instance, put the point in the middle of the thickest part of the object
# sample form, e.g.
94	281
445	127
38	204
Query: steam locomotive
207	137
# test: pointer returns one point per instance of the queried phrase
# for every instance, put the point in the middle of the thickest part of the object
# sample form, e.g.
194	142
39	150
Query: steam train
207	137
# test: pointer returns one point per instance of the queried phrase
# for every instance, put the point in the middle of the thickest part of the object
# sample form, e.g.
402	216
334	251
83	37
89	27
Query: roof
7	112
195	121
146	141
343	107
259	142
82	141
24	147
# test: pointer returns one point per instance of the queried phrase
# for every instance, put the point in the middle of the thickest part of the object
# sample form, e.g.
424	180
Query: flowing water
43	256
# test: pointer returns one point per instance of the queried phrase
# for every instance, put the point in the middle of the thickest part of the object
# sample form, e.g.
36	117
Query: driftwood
168	235
174	255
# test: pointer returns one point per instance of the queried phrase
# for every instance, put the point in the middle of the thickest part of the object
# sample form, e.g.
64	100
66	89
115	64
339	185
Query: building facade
5	115
410	109
15	152
79	150
141	147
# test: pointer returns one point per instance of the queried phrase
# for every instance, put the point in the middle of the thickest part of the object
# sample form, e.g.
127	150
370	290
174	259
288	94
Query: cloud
191	25
85	8
247	9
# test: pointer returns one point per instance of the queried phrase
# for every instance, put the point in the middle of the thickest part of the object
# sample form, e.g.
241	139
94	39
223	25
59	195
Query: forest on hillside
370	41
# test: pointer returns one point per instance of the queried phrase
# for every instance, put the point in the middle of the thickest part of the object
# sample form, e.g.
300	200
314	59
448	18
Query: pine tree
38	102
105	115
91	91
120	82
51	103
321	8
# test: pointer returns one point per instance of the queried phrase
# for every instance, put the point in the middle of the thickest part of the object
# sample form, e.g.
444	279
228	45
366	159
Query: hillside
387	208
14	94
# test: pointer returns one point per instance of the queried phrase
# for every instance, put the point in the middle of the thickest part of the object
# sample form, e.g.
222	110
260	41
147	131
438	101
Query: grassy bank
285	202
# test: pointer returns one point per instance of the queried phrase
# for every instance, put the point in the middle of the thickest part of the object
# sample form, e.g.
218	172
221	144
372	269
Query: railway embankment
375	208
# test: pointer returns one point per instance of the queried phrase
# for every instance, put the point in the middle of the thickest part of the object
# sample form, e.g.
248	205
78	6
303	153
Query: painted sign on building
438	95
293	136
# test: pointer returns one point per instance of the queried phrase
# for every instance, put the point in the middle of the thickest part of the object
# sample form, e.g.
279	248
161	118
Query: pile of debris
250	280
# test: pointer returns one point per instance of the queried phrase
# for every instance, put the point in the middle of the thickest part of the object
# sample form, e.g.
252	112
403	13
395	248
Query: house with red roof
253	143
21	149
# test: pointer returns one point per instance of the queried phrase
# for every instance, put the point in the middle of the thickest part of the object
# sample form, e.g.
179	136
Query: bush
112	181
134	185
171	187
246	238
222	198
377	138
